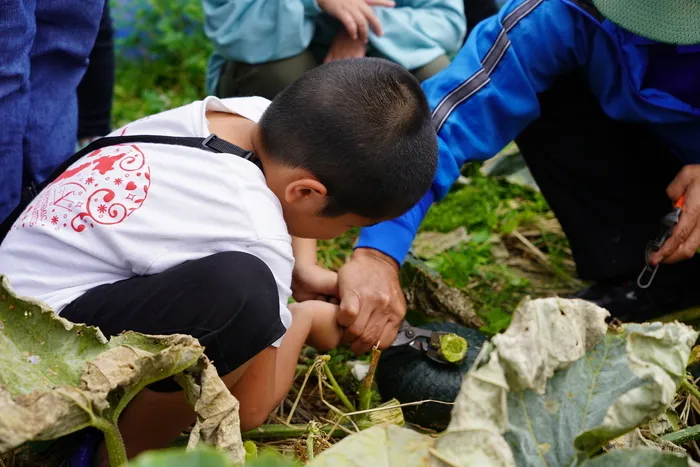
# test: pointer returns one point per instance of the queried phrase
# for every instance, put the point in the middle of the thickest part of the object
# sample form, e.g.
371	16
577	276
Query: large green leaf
57	377
383	445
550	391
640	458
204	456
200	457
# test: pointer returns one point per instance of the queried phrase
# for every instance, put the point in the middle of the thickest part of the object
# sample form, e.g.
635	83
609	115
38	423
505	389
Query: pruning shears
423	340
668	222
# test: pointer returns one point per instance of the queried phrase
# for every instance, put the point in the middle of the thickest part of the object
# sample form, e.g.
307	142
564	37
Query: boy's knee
247	275
241	305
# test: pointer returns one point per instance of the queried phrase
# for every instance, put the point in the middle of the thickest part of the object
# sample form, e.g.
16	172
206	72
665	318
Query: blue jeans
44	50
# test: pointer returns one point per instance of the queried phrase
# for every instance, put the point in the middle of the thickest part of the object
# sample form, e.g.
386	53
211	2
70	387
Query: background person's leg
65	34
478	10
266	79
96	90
431	69
606	182
19	27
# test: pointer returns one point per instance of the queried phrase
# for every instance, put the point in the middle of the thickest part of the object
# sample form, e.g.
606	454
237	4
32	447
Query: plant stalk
338	391
683	436
310	447
366	389
113	441
272	432
691	388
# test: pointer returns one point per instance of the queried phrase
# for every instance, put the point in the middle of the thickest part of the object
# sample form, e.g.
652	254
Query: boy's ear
306	190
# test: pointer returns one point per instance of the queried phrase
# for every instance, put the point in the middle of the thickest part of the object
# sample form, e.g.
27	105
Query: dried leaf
57	377
427	292
510	165
429	244
635	439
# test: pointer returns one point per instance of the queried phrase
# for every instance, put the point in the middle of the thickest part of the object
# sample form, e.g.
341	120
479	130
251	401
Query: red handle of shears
679	202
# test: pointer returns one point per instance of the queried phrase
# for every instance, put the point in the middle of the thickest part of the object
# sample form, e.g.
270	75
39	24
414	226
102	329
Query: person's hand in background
356	15
685	239
344	46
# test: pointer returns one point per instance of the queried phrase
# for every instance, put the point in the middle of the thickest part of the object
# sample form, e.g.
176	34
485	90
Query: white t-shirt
140	209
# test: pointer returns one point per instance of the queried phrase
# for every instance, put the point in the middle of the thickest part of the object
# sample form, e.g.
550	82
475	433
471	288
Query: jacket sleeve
488	95
416	32
259	31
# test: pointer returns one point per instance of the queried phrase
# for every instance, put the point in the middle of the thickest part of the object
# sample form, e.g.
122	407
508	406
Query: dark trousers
96	89
606	182
228	301
239	79
478	10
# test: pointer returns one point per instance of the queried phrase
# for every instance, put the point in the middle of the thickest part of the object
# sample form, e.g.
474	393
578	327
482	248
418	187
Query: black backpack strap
211	143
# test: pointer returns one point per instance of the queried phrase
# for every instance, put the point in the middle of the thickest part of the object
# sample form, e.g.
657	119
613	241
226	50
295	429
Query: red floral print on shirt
106	187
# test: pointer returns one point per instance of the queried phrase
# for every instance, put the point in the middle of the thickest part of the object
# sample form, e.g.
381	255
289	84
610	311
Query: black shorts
228	301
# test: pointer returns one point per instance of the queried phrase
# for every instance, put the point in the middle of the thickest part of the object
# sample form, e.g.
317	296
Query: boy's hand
313	282
685	239
372	303
324	333
344	46
356	15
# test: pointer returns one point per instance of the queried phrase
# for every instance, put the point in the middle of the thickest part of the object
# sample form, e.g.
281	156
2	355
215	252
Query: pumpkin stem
453	348
366	389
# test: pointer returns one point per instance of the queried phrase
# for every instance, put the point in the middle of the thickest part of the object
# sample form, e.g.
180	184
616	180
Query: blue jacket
488	95
416	32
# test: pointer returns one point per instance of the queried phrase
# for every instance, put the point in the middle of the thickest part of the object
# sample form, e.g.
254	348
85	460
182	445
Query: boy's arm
271	373
304	251
309	280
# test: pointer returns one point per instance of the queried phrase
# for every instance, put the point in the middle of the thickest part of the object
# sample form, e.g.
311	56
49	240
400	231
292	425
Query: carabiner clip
668	222
651	274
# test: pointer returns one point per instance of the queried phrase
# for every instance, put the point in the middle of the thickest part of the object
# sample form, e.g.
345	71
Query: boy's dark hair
362	127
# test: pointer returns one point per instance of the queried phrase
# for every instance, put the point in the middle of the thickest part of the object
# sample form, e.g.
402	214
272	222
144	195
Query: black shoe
629	303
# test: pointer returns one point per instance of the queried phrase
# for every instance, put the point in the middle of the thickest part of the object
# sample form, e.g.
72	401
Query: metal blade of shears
668	222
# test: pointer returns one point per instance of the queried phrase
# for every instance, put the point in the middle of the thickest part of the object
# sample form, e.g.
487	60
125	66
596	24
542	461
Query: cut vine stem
272	432
333	430
691	388
366	389
113	441
685	435
337	389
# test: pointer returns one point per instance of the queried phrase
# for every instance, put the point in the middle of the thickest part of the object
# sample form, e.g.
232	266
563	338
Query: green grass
486	207
175	73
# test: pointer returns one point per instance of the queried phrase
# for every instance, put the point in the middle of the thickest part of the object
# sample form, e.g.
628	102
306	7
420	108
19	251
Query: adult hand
685	239
344	46
372	304
313	282
356	15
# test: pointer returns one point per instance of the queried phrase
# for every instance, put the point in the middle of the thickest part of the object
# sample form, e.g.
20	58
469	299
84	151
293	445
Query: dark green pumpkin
408	375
